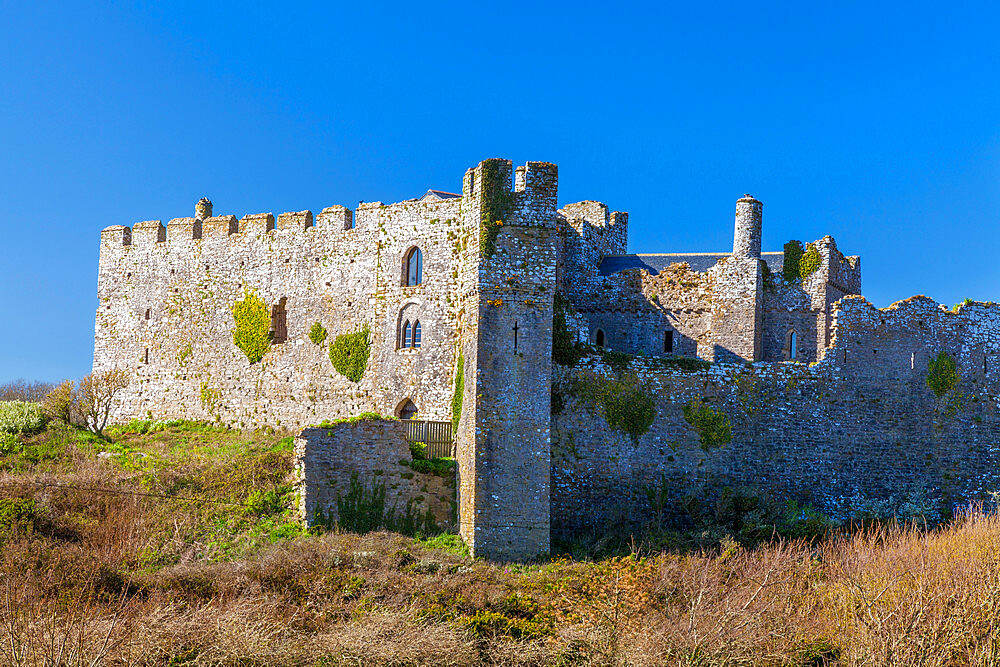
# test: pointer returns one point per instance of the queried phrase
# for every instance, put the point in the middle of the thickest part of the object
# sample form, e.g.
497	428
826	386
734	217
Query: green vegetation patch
713	426
253	326
362	417
566	350
625	404
317	334
942	374
363	509
810	261
459	393
17	515
21	417
497	202
349	354
442	466
792	258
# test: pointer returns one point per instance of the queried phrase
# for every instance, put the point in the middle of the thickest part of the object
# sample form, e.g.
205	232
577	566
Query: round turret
746	240
203	209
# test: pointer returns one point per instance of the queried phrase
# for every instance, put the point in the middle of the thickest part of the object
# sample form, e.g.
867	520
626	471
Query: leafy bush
9	444
349	354
21	417
942	374
713	426
264	503
17	515
62	403
253	327
317	333
440	466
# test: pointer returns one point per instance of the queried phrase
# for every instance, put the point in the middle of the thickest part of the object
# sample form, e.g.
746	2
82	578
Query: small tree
61	404
97	395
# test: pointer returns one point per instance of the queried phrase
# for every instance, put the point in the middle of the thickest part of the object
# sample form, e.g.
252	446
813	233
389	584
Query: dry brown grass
109	579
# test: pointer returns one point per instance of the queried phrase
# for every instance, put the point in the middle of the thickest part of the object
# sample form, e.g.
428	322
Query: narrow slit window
416	334
407	334
279	330
145	356
149	312
913	360
668	341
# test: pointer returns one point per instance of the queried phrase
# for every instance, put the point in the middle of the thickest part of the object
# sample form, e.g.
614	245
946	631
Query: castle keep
765	369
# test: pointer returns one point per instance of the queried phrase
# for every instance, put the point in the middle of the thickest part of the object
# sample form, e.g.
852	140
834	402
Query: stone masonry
826	394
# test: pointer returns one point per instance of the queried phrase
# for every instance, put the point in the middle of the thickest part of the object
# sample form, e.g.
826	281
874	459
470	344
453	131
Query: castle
691	371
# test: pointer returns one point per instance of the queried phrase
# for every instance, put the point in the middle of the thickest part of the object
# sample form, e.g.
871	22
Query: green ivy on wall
626	405
942	374
810	261
317	334
713	426
349	354
792	257
566	350
253	326
457	397
497	202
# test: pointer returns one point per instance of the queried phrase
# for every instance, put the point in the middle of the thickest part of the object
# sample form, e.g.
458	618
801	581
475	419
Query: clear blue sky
876	123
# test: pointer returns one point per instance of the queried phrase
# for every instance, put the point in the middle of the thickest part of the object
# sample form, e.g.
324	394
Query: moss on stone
349	354
792	258
497	202
253	326
566	350
625	404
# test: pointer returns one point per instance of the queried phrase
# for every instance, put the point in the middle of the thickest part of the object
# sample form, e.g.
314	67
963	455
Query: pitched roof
699	261
435	195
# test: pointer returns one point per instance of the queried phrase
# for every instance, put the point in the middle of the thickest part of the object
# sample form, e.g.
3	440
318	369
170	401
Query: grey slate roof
699	261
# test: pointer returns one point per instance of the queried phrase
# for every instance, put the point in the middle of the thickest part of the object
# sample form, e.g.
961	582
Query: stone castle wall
326	458
860	423
187	280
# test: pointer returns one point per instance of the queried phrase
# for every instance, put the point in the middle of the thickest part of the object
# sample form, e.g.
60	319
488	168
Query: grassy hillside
176	546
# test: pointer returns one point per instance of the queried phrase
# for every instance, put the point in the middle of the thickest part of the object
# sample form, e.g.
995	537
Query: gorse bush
253	327
21	417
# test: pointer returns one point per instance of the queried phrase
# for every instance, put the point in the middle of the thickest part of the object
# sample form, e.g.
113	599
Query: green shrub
317	333
459	395
9	444
349	354
264	503
942	374
810	261
440	466
253	327
363	510
21	417
713	426
17	515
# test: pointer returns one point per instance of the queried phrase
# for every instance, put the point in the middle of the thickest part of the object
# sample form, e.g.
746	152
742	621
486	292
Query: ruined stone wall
345	276
861	423
326	458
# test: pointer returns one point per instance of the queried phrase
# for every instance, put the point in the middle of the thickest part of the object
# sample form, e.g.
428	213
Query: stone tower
503	438
737	309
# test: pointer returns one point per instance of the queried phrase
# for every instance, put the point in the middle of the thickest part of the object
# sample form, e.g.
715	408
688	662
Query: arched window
416	334
407	337
792	346
599	338
413	268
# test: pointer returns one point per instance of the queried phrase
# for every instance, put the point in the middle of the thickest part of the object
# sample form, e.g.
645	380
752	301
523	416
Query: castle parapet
116	235
220	225
300	220
180	230
335	217
256	223
148	232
